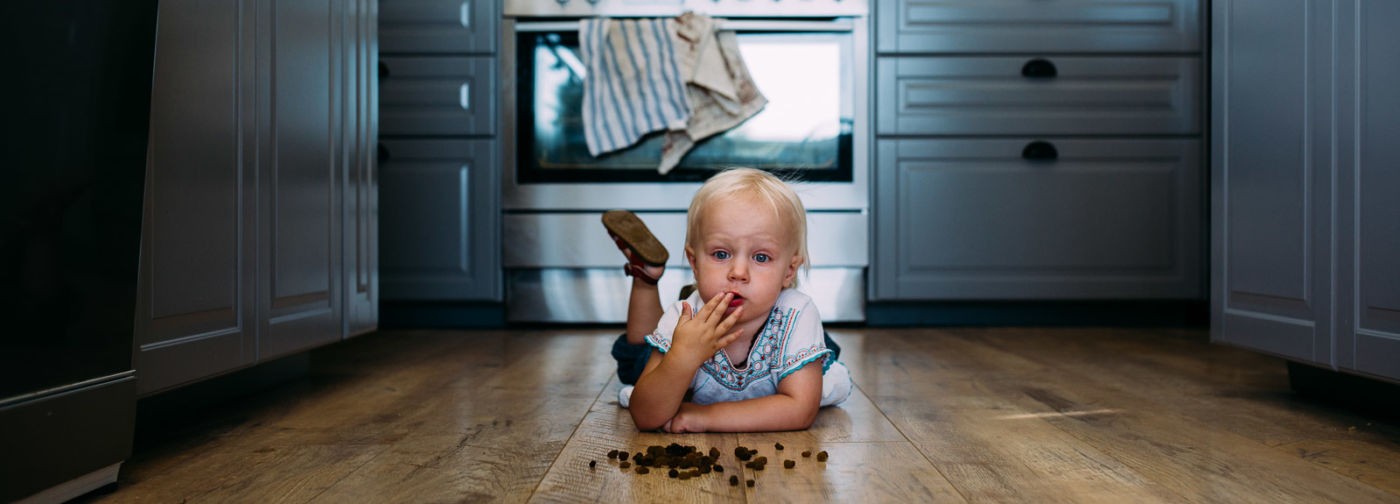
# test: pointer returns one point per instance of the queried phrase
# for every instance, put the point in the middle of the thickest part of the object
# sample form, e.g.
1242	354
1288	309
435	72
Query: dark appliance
77	89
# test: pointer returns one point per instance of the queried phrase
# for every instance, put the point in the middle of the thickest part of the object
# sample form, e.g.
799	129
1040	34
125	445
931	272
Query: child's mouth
736	300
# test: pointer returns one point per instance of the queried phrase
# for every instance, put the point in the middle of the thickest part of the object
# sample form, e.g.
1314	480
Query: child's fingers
729	321
709	309
713	310
685	315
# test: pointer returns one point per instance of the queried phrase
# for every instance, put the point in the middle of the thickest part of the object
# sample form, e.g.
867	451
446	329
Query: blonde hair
768	188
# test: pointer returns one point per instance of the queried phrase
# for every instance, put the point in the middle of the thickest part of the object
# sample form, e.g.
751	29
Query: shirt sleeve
803	341
660	338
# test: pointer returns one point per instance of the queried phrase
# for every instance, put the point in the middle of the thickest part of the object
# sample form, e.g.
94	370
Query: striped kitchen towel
634	85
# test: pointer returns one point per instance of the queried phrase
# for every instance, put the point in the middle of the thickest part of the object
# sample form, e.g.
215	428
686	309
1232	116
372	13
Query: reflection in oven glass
805	127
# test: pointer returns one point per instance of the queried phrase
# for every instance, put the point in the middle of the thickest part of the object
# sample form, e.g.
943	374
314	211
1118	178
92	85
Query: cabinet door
439	96
440	216
1035	95
299	243
1271	171
976	219
1369	330
360	197
196	311
438	26
1090	26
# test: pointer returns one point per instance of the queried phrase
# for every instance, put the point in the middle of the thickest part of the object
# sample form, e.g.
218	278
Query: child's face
743	248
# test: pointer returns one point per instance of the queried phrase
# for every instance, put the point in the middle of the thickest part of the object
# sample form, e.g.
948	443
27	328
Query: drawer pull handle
1040	151
466	14
1039	69
464	96
383	153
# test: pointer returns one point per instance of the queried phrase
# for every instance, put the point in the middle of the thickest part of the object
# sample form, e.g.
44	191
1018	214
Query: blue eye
762	258
721	255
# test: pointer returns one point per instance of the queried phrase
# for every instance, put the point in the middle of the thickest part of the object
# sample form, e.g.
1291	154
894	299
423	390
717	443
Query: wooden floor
940	415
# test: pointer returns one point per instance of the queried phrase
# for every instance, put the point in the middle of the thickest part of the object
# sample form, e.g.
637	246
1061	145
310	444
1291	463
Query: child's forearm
658	393
772	413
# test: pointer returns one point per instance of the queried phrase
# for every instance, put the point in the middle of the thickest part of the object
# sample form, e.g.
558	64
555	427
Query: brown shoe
630	233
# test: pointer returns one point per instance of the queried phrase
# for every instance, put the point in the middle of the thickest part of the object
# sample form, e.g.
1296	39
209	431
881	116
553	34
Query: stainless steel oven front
810	60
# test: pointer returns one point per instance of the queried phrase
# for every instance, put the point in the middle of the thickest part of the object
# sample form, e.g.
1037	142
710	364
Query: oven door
808	131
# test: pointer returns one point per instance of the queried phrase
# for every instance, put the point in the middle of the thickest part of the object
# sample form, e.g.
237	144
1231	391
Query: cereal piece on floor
822	456
789	463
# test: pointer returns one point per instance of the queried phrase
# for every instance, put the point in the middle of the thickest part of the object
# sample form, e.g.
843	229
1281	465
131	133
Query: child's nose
739	270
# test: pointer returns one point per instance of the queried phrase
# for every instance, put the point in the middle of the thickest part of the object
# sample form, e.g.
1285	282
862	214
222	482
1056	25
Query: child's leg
644	308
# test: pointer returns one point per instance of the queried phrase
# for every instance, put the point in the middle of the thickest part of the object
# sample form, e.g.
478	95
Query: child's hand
688	419
699	336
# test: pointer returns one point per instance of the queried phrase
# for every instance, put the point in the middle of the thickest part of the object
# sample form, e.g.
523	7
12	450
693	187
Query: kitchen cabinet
441	171
1041	26
256	169
980	219
1017	159
431	230
439	26
1305	226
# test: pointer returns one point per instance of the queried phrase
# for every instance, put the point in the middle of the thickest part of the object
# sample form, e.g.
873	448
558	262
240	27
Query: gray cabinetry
360	194
1038	150
196	307
1015	26
1106	219
299	226
439	26
993	96
441	179
256	165
438	96
1306	228
435	185
1371	237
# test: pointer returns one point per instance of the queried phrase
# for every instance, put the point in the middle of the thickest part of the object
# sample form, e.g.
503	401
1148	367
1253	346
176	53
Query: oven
810	60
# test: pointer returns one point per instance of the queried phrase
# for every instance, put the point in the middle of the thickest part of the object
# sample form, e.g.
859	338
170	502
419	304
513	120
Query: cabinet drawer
439	220
973	219
438	26
1037	96
1013	26
432	95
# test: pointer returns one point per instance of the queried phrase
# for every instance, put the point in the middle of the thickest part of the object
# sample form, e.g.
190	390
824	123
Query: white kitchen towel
721	90
634	85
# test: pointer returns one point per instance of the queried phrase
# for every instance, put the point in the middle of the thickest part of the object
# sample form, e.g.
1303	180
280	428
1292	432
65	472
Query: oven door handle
838	25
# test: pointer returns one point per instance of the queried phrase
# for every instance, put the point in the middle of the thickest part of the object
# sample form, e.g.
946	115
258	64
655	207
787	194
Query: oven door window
804	131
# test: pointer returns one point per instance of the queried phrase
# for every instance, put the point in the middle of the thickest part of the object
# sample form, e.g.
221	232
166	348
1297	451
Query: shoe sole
634	233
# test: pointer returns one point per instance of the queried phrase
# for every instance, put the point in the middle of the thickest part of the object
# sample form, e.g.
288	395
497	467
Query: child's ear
690	257
790	277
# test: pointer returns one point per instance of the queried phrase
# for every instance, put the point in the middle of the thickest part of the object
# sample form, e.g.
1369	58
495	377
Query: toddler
734	355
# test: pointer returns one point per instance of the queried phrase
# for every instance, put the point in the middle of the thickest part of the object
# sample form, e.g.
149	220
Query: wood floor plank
273	468
1227	389
436	469
975	414
608	427
974	437
1193	459
855	472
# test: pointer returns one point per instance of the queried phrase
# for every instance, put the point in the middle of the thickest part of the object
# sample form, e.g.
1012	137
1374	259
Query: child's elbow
805	417
645	422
